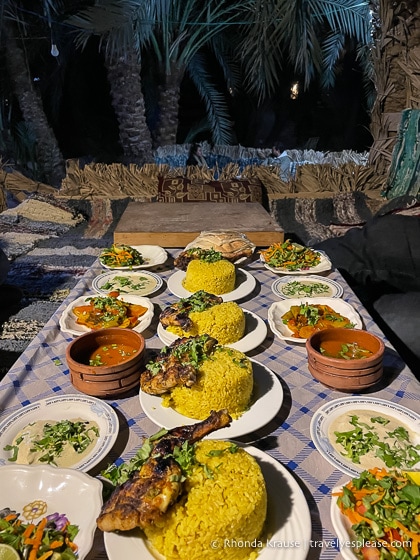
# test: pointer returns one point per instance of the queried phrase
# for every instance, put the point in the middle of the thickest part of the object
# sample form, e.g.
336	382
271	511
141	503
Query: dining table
41	372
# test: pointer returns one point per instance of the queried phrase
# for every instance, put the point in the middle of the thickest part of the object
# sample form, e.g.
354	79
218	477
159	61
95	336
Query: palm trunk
129	106
169	95
49	157
397	67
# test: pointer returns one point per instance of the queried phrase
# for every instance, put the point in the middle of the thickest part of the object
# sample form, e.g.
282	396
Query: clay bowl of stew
106	362
348	360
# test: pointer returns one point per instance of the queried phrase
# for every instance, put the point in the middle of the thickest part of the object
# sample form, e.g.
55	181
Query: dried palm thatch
321	178
112	181
397	75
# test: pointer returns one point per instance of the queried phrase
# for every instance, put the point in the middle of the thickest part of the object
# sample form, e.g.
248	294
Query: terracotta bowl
105	380
347	375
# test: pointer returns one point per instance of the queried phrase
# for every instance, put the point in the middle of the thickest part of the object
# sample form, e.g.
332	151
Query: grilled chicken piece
173	367
148	494
177	314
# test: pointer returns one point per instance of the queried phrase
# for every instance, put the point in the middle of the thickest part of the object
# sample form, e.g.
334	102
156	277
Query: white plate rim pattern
54	408
292	526
250	341
98	281
347	310
339	290
154	252
68	323
269	401
91	496
323	266
177	289
324	415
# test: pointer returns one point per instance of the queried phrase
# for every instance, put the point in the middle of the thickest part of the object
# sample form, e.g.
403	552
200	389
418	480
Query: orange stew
345	351
108	311
111	354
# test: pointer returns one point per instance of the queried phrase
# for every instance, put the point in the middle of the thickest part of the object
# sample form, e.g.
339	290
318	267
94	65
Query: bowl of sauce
349	360
107	362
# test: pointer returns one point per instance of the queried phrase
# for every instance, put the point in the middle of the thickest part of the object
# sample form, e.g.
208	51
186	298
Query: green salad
383	509
52	537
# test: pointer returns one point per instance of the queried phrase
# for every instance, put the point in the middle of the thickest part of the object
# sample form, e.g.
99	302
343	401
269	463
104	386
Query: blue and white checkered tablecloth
41	372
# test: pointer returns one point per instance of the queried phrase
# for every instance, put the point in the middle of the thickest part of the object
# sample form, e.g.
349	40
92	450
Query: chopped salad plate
130	283
323	266
153	255
288	520
279	308
287	287
67	492
324	419
64	407
255	334
267	399
245	283
68	320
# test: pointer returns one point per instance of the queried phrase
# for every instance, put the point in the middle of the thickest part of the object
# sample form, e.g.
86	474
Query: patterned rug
49	256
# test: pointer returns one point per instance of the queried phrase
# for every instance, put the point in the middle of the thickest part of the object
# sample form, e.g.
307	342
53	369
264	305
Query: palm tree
124	27
180	39
171	33
49	162
397	68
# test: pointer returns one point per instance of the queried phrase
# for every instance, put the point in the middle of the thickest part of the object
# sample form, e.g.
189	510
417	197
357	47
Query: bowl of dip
106	362
348	360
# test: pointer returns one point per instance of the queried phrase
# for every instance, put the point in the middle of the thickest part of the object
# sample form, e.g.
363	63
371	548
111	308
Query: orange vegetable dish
107	311
303	320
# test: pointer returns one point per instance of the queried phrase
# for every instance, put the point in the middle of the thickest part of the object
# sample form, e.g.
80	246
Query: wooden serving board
171	224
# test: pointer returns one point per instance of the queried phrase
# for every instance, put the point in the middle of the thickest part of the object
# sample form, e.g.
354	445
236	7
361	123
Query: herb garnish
363	439
206	255
79	435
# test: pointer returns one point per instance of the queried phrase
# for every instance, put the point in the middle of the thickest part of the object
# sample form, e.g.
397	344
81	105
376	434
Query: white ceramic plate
288	519
255	334
297	286
329	412
152	255
64	407
322	266
245	283
279	308
68	318
342	527
64	491
141	283
267	399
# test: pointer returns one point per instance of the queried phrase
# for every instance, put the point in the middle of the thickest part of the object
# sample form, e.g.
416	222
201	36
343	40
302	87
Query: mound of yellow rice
222	512
224	381
213	277
225	322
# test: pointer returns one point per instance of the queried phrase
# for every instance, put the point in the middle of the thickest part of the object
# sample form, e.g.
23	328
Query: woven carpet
50	245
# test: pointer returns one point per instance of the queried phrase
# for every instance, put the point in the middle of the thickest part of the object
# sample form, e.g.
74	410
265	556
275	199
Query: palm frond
332	48
216	107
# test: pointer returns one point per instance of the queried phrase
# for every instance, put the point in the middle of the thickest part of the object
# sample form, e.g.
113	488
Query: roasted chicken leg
148	494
